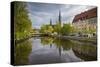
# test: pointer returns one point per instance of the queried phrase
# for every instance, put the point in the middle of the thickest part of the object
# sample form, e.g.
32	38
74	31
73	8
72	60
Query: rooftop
86	15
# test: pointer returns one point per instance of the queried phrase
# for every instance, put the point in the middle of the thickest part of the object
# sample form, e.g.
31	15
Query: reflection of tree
62	43
58	42
85	52
22	52
47	41
66	44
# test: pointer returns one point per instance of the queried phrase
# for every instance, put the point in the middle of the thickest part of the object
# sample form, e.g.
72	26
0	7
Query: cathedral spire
50	22
59	17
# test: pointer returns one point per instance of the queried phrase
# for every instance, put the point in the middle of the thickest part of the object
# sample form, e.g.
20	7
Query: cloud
41	13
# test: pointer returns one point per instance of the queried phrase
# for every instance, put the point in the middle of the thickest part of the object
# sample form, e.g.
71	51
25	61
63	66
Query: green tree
22	23
43	29
58	28
46	29
89	30
66	29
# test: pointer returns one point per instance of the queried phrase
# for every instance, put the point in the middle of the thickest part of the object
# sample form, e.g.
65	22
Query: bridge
39	34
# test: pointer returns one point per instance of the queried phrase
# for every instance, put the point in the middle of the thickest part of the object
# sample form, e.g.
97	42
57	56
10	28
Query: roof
86	15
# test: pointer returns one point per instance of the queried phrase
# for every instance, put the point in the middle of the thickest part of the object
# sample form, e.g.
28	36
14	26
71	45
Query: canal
44	50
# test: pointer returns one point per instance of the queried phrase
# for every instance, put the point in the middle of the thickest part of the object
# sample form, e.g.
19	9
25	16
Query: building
86	20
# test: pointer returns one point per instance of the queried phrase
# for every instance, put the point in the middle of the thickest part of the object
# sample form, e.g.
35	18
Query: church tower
59	19
50	22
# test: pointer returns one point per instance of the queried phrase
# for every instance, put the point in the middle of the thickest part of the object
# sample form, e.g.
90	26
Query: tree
22	23
57	28
46	29
66	29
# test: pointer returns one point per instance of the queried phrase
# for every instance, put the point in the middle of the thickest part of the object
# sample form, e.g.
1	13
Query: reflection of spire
59	51
50	45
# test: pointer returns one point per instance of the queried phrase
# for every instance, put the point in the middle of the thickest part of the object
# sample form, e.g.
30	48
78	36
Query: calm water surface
43	50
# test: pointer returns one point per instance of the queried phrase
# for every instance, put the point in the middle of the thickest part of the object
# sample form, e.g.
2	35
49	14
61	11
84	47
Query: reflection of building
86	20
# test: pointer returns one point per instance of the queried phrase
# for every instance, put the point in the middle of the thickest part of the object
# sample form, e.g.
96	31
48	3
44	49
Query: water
44	50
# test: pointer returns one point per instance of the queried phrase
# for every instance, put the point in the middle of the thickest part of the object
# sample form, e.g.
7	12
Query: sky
41	13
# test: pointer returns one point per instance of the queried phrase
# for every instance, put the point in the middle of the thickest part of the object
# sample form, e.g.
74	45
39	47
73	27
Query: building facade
86	20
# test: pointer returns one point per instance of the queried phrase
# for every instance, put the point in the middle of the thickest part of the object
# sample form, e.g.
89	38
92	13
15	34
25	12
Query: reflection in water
47	41
83	51
22	51
65	44
86	52
53	50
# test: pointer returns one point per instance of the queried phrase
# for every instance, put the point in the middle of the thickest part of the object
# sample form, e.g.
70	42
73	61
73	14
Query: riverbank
30	36
22	39
92	40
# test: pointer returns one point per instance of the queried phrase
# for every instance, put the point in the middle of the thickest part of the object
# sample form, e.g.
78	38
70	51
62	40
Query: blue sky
41	13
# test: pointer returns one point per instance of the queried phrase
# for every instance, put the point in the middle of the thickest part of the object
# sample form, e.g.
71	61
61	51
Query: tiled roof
86	15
